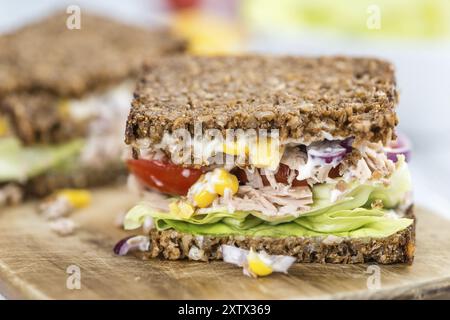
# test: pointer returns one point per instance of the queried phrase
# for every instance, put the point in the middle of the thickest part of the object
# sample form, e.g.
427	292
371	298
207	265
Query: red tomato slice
164	176
170	178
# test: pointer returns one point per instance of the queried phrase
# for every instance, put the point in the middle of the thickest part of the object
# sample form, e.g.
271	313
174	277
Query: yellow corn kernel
186	210
257	266
173	208
77	198
63	108
235	148
204	198
265	154
3	127
182	209
224	180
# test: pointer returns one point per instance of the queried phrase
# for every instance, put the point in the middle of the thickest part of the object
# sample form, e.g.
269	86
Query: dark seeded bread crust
397	248
48	56
301	97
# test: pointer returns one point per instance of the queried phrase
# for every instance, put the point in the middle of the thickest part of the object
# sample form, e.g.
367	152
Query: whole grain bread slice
397	248
47	55
306	98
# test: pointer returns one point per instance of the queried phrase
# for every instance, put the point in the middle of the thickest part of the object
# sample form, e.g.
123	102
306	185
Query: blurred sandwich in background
64	98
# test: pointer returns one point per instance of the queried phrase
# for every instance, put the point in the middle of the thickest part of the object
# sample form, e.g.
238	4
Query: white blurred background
413	34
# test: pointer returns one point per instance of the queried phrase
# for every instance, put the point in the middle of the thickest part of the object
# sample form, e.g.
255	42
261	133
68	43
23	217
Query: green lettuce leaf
395	192
341	220
246	223
372	226
136	216
18	162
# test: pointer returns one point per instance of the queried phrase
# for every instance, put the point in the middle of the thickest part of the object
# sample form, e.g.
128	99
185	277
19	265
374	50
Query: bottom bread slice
397	248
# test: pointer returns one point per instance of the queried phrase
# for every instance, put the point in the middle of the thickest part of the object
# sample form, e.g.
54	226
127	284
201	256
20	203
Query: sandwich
64	98
293	156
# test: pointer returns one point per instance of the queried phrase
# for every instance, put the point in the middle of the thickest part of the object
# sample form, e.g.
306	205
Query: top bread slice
48	56
45	63
306	98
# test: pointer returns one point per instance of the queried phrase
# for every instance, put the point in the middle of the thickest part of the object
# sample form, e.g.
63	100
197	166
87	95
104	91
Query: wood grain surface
34	262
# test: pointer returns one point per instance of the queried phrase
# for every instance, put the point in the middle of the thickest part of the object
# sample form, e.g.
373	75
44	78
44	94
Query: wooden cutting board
34	264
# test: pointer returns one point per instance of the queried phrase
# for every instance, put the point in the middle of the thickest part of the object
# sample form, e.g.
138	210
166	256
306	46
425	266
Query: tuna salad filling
333	187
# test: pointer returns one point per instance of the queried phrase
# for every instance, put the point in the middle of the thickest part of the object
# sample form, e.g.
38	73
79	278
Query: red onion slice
400	146
141	243
331	152
347	144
